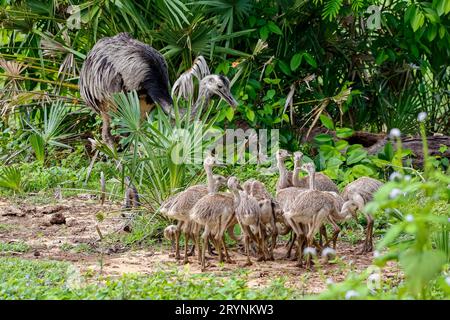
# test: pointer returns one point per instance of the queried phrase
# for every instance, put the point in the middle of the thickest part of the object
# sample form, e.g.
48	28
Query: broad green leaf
284	67
230	113
353	147
296	60
431	15
341	144
344	132
250	114
381	57
334	162
270	94
421	267
380	163
442	7
432	32
442	31
327	122
323	138
417	20
328	151
389	151
264	32
274	28
361	170
409	13
310	60
356	156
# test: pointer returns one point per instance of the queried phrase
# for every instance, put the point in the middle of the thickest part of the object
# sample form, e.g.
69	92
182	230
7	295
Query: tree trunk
375	142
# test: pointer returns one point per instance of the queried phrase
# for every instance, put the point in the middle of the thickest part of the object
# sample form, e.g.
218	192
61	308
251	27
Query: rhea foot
247	264
366	248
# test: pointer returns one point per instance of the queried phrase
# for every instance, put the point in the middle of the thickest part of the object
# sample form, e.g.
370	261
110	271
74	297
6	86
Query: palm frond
11	178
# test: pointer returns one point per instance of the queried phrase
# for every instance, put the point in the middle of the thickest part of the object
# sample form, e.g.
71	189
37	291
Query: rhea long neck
283	172
237	196
295	179
359	202
211	183
312	180
204	96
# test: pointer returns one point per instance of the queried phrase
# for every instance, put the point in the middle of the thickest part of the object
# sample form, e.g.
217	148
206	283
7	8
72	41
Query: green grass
14	247
4	228
26	279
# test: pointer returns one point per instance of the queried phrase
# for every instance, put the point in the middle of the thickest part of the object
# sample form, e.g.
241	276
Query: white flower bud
409	218
395	193
395	133
422	116
310	251
374	277
328	252
351	294
395	176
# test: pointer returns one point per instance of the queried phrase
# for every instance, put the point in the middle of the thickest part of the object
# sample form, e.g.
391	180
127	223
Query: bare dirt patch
76	240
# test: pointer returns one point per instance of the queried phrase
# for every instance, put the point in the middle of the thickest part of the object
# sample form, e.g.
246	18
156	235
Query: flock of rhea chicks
302	206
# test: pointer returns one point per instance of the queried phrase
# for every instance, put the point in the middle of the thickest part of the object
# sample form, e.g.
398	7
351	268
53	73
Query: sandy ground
78	242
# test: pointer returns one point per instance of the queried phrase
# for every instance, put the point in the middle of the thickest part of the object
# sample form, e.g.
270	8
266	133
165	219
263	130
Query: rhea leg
205	243
186	244
106	130
323	232
290	243
337	229
261	240
368	242
177	240
197	243
247	245
274	240
227	255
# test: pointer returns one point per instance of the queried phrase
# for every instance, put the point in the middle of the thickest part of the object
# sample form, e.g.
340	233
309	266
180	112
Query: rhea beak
226	95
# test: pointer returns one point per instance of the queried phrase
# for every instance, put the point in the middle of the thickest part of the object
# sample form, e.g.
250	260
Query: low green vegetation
295	66
13	247
24	279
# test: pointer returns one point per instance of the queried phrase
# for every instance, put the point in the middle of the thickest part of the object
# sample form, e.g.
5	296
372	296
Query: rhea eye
219	86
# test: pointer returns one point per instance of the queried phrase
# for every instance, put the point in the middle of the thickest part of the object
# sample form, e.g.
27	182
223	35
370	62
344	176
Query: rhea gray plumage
356	195
119	64
248	214
285	179
257	190
309	211
182	204
323	183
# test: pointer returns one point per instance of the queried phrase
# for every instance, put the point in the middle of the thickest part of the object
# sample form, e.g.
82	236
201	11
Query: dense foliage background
318	49
294	64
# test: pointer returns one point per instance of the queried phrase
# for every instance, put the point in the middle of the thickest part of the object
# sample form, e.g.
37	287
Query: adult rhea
121	63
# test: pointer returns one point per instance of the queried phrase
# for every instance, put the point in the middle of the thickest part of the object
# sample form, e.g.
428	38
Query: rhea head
282	154
309	167
218	85
298	155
